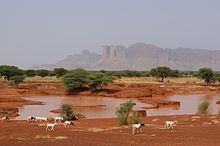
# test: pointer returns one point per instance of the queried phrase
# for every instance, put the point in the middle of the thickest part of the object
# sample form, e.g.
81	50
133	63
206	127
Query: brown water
189	104
50	103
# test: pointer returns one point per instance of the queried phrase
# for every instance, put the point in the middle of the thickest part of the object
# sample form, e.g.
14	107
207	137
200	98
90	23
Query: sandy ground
190	130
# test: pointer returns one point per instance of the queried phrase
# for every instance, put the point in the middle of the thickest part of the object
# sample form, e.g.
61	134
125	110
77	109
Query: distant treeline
94	79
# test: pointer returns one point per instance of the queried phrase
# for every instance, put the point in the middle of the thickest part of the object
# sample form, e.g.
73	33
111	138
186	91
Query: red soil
189	130
202	130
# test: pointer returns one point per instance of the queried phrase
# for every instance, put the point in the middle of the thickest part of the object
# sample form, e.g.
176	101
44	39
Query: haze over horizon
46	31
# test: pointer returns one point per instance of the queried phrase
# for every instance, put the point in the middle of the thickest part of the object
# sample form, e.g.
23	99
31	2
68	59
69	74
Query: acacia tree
59	72
161	72
76	79
30	73
17	79
99	80
8	71
43	72
206	74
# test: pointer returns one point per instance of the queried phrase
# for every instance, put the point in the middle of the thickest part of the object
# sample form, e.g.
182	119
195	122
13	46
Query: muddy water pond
105	107
90	107
188	105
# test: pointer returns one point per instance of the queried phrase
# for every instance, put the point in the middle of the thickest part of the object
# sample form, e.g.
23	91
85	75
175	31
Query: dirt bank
190	130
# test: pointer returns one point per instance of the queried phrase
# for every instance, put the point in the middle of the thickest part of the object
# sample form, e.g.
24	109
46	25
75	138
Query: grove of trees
82	79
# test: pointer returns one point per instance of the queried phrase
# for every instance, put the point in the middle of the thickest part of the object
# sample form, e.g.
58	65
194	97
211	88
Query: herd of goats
136	128
44	119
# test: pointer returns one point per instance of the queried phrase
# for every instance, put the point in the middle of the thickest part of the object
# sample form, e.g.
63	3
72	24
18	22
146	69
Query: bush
67	112
123	112
203	107
136	118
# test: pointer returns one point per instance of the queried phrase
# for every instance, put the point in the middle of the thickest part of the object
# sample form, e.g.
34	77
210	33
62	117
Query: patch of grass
3	113
39	79
156	80
203	107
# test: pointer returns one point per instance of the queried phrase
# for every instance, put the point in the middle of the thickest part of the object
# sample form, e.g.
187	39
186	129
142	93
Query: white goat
59	119
44	119
38	119
51	126
5	119
68	123
170	124
136	128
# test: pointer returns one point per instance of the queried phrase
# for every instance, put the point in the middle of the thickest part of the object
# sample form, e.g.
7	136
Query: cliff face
141	56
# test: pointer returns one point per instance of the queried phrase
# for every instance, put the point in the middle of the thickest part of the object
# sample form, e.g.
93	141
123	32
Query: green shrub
67	112
135	118
203	107
123	112
3	113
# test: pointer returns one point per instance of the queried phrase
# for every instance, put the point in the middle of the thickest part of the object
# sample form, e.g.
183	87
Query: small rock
193	120
153	135
154	120
212	117
206	124
215	121
195	117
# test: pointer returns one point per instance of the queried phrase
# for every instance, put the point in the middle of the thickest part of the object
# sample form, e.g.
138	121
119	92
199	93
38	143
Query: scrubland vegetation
93	80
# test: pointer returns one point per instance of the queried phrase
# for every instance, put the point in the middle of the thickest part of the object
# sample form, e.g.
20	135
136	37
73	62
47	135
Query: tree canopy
161	71
8	71
17	79
207	74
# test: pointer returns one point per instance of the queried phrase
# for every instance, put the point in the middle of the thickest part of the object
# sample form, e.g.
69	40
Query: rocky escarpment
141	56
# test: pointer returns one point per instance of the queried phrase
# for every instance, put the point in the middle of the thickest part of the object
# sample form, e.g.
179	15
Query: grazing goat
38	119
68	123
5	119
137	128
170	124
51	126
59	119
31	118
44	119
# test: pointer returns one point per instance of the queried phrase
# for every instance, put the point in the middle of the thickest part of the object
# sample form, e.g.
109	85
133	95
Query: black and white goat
31	119
136	128
5	119
68	123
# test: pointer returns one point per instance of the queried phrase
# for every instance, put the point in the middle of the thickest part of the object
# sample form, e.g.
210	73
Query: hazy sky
46	31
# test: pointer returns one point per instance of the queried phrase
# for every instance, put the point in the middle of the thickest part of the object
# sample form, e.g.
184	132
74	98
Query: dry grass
156	80
43	79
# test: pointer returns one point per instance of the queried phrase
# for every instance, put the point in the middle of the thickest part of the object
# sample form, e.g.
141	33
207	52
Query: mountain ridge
140	56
